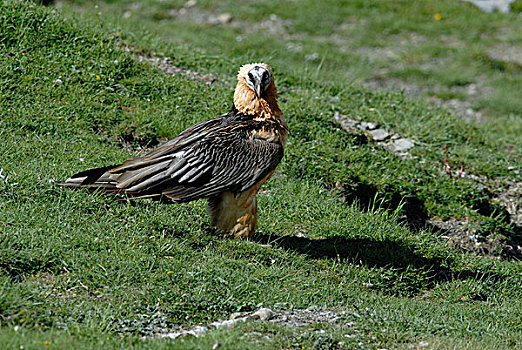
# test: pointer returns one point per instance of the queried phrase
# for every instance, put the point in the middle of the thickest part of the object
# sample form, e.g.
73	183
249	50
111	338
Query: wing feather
130	177
206	159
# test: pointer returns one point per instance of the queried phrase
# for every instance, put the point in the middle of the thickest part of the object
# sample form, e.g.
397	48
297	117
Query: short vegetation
420	249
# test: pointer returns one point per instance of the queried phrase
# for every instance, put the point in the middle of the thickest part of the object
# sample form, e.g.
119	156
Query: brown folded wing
206	159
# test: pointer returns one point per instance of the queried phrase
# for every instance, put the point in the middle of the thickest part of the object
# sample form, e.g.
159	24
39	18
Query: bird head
256	93
257	77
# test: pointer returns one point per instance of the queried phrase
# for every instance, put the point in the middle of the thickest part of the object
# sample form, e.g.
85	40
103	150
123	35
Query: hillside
364	241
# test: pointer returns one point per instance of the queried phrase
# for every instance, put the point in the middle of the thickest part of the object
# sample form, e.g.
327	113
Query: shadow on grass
404	271
368	196
413	213
18	266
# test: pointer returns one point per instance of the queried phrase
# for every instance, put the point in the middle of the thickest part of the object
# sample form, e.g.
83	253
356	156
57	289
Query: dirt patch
53	284
462	234
459	234
511	199
462	108
165	64
508	54
191	13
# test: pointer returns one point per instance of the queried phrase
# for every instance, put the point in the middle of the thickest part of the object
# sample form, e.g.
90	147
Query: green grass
342	224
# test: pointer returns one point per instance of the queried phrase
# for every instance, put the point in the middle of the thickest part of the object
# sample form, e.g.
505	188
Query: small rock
207	78
224	18
379	134
190	3
492	5
58	81
312	57
263	314
368	125
216	345
294	47
282	305
227	323
372	125
346	122
401	145
236	315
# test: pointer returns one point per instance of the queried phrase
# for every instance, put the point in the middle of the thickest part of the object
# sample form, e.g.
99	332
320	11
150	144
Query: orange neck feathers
264	107
248	103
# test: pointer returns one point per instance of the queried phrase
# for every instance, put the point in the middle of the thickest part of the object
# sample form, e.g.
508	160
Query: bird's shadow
393	255
373	253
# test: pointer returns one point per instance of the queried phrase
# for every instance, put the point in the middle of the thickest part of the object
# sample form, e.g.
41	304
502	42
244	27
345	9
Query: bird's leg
234	214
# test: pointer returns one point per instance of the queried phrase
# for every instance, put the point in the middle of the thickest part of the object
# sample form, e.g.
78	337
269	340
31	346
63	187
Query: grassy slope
84	269
491	148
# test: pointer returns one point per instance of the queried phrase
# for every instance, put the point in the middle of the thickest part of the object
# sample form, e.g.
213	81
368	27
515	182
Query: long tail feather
92	178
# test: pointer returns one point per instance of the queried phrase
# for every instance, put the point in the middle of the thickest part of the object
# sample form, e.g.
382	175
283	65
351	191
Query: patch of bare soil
511	199
165	64
507	53
191	13
461	108
459	234
462	234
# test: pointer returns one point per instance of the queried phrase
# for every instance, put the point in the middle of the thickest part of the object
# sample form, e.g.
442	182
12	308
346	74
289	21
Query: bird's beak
258	88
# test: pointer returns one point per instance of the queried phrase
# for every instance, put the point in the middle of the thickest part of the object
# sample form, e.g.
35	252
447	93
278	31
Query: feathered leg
234	215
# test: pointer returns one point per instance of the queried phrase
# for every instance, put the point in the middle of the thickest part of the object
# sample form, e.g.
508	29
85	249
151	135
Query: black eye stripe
254	74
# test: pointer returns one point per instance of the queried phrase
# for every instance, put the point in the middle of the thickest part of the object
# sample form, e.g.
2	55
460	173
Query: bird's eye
250	76
265	75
